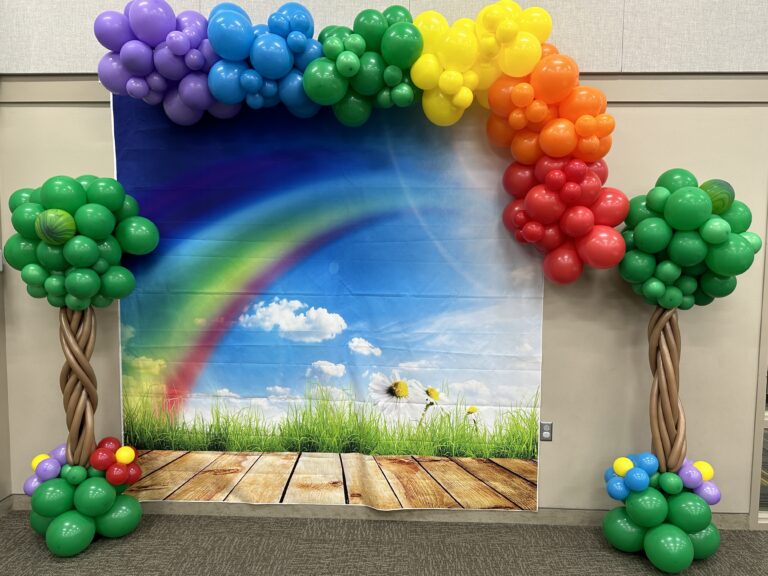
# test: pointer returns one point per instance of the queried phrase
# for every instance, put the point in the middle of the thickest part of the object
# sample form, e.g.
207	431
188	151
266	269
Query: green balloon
687	303
76	475
629	239
353	110
19	251
397	13
717	286
701	298
371	25
637	266
668	548
75	303
652	235
654	480
637	289
34	275
101	266
36	291
687	248
34	196
638	211
93	473
86	180
121	488
392	76
95	221
39	523
402	95
23	219
121	519
688	208
706	542
54	286
333	47
657	198
110	250
647	508
82	283
370	79
384	98
19	197
721	193
732	257
671	483
667	271
70	534
689	512
117	282
323	83
100	301
402	44
687	285
715	230
55	226
676	178
129	208
348	64
696	270
108	192
355	44
65	468
51	257
137	235
672	298
621	532
739	216
754	240
57	301
333	30
53	497
94	496
653	288
81	251
63	192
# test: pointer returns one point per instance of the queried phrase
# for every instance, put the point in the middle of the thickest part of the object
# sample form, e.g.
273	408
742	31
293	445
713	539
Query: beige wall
5	446
595	375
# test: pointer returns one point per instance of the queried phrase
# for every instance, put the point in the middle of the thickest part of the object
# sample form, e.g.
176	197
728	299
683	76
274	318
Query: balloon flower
71	504
666	515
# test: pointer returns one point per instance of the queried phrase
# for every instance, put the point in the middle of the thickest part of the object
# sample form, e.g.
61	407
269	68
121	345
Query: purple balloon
137	88
137	58
170	65
194	37
153	98
206	48
31	484
192	20
48	469
224	111
127	8
194	92
156	82
691	476
60	453
151	20
112	73
194	60
112	30
178	42
709	492
179	112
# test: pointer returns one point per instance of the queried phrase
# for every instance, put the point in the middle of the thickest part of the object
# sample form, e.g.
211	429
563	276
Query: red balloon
554	180
601	169
575	170
543	206
519	237
611	208
546	164
134	473
571	193
533	232
110	443
117	474
563	264
577	221
508	216
603	247
101	458
518	179
553	237
590	189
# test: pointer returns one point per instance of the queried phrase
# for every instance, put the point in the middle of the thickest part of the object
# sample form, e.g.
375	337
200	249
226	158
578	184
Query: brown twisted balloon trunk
77	334
667	416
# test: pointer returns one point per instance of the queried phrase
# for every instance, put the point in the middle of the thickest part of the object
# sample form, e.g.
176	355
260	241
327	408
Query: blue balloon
299	16
269	90
291	91
271	101
251	81
279	24
224	82
255	101
313	51
227	6
648	462
609	473
637	479
270	56
230	34
617	489
260	30
297	42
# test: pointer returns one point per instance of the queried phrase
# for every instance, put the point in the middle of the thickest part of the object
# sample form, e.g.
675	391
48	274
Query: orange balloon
586	126
551	115
525	147
536	111
517	120
604	125
499	132
603	148
499	95
558	138
554	77
583	100
522	95
548	50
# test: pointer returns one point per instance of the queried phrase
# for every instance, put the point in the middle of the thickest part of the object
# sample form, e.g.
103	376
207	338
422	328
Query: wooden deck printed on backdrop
382	482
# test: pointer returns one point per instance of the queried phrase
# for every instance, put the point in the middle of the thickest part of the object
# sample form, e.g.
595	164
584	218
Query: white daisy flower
396	397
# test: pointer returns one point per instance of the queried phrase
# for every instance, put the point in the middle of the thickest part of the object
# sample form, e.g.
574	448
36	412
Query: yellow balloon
37	459
622	465
125	455
470	79
707	472
458	50
426	71
463	98
450	82
433	27
537	21
520	58
481	97
439	109
487	73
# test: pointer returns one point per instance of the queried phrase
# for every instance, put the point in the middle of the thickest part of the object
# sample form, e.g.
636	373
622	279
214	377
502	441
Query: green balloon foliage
668	548
82	283
686	243
53	497
76	475
129	208
86	180
647	508
70	533
39	523
352	110
107	192
63	192
23	219
95	221
94	497
323	83
371	25
34	275
621	532
121	519
19	251
117	282
397	13
19	197
81	251
689	512
705	543
137	235
402	44
51	257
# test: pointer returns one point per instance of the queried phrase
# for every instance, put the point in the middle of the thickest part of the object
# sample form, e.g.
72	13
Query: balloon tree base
667	516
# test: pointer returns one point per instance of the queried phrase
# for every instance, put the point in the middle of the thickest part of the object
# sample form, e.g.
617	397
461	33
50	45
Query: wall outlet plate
545	431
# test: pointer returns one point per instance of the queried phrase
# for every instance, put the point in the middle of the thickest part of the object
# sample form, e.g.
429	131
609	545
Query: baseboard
6	505
548	516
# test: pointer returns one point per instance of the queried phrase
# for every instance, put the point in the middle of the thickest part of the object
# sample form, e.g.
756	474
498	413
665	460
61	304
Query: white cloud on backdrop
324	370
294	320
363	347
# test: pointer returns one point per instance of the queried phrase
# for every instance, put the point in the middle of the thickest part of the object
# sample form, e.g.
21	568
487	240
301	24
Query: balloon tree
686	243
71	234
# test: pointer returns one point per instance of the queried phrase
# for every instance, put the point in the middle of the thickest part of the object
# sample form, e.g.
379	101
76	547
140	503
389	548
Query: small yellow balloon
507	31
487	74
458	50
125	455
433	27
520	58
450	82
622	465
425	72
707	472
537	21
471	79
439	109
463	98
37	459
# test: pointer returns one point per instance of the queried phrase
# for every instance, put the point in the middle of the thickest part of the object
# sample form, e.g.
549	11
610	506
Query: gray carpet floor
197	545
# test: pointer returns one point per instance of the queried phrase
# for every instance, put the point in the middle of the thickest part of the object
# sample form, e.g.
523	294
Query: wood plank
521	492
317	479
528	469
141	452
217	480
265	482
468	491
414	487
156	459
165	481
366	483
